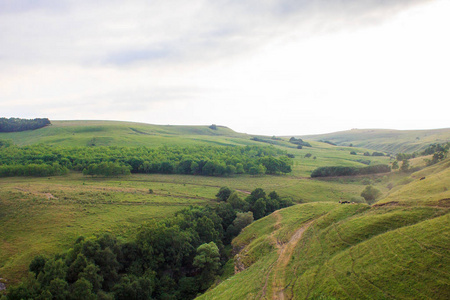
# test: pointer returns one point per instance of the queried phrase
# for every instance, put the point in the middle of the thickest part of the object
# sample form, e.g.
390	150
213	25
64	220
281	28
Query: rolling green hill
115	133
393	141
398	248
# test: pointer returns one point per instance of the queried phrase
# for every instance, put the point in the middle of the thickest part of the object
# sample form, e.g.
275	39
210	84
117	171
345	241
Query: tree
405	165
237	203
37	264
239	168
370	194
259	208
205	229
208	261
395	165
59	288
91	273
224	193
82	289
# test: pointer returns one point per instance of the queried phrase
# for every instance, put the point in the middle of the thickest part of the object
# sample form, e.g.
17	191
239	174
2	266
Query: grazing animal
422	178
344	202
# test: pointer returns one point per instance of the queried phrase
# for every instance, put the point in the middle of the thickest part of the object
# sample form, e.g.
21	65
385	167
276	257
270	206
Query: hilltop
387	140
118	133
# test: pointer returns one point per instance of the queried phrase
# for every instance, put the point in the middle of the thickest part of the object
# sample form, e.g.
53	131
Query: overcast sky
273	67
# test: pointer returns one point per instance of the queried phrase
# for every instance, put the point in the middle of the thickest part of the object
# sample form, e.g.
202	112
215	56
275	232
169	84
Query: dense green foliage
17	124
349	171
299	142
32	169
175	258
110	161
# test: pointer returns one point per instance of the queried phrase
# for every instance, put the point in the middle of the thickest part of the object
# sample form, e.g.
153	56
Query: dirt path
285	253
245	192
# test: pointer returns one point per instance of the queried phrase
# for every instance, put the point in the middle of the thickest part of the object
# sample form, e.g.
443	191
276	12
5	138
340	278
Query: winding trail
277	270
285	252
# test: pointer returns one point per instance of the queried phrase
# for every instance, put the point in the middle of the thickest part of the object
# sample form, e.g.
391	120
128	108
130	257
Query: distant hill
116	133
387	140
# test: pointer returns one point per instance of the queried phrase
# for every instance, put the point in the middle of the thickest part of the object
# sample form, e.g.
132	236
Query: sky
271	67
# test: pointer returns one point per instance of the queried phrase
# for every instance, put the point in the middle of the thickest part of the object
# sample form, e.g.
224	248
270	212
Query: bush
224	193
370	194
377	154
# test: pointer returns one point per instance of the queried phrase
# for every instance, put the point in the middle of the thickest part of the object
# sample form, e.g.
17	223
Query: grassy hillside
114	133
386	140
351	251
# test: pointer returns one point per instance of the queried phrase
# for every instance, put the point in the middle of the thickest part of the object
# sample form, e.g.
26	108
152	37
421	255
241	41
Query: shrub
370	194
377	154
223	193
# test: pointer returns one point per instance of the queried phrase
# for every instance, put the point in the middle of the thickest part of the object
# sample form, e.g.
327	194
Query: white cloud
269	67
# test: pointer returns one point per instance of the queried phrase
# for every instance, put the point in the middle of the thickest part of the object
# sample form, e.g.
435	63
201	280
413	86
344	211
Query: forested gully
176	258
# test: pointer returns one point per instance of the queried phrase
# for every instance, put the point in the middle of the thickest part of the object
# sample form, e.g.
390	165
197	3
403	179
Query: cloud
259	66
122	33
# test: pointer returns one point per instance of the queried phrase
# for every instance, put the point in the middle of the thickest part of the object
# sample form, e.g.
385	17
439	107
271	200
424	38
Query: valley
316	247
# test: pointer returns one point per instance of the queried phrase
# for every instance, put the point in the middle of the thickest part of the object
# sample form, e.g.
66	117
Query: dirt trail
245	192
285	253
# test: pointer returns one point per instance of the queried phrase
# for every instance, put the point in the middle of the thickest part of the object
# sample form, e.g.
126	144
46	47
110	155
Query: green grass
114	133
432	191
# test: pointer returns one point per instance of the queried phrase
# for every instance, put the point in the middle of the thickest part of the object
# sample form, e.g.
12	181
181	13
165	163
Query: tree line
175	258
17	124
112	161
349	171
